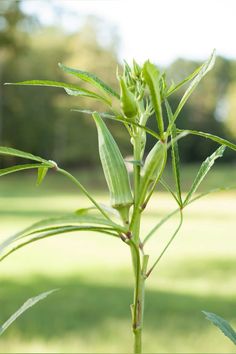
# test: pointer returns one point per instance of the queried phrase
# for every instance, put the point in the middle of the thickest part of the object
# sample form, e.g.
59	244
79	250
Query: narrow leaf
174	87
88	111
152	78
207	66
29	303
71	89
53	223
91	78
175	154
168	244
6	151
84	211
166	218
42	171
106	208
17	244
214	190
176	163
215	138
12	169
168	188
124	120
204	169
71	219
222	324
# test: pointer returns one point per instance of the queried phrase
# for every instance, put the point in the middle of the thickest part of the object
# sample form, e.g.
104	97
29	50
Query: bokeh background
91	311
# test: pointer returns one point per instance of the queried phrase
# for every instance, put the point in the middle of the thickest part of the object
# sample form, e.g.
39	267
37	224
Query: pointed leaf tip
222	324
203	171
29	303
91	79
42	171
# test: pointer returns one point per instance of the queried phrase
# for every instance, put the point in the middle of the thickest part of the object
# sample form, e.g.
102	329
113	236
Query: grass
92	271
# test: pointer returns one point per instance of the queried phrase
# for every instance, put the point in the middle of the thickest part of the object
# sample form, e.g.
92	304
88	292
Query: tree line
40	119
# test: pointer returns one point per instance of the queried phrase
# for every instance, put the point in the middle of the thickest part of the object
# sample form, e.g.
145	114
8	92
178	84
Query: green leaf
152	78
174	153
207	66
176	163
70	219
106	208
83	211
215	138
90	112
42	171
222	324
70	89
57	222
6	151
124	120
204	169
91	78
166	218
23	241
168	243
12	169
214	190
29	303
168	188
174	87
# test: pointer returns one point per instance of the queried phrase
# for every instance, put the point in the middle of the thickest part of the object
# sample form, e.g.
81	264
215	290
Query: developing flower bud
128	101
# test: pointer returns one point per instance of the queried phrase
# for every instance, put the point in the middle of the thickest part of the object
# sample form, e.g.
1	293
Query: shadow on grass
80	307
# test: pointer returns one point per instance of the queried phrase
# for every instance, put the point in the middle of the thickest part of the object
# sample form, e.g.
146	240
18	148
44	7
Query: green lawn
91	313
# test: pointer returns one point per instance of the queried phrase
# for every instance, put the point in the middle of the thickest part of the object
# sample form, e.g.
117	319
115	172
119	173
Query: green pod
114	169
136	69
152	78
128	101
153	166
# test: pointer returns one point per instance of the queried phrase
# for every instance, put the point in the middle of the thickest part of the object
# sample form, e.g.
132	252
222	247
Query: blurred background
91	311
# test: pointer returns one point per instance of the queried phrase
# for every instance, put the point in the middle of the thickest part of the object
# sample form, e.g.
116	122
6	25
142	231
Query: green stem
135	222
159	224
73	179
138	305
139	324
168	244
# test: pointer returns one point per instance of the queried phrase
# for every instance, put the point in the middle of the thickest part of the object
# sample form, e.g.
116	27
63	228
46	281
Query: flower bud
128	101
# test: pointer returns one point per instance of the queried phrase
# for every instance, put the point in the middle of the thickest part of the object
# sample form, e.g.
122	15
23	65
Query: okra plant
144	95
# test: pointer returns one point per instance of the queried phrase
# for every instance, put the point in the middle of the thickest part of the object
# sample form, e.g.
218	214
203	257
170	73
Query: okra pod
153	167
152	78
114	169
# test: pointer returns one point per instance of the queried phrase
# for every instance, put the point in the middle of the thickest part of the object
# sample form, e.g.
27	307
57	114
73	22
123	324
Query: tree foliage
29	51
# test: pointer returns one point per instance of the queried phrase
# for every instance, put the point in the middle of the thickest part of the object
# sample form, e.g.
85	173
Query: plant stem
140	296
168	244
73	179
138	315
138	305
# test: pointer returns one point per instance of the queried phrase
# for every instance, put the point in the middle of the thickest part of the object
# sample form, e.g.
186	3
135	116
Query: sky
159	30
